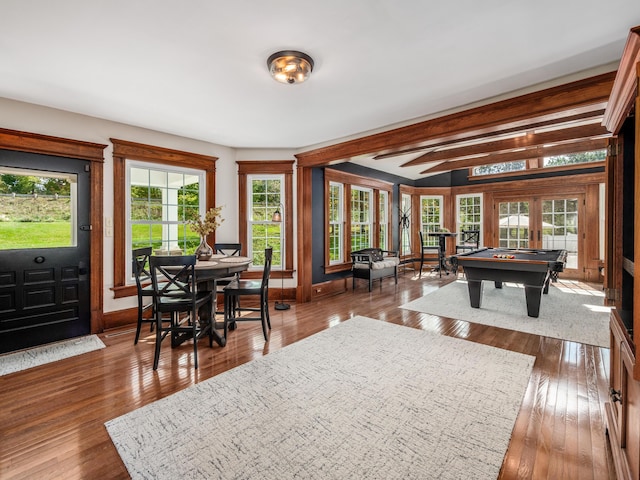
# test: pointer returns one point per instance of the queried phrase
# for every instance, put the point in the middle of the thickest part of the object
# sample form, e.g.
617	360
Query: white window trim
370	221
250	222
383	219
440	198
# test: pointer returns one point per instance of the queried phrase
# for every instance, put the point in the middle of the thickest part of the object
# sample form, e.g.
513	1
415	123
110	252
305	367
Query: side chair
142	275
229	249
469	240
175	293
238	288
426	249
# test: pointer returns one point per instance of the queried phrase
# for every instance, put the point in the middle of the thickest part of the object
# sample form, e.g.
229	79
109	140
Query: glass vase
204	250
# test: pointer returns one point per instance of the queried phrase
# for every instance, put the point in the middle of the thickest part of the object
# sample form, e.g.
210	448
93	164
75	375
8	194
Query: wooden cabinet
623	241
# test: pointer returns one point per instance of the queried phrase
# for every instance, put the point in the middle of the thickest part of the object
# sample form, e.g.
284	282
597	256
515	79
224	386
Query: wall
28	117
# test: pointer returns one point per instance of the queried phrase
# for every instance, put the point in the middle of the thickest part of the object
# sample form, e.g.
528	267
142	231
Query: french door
44	249
548	222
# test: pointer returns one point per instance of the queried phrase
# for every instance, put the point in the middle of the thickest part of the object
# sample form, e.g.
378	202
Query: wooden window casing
123	151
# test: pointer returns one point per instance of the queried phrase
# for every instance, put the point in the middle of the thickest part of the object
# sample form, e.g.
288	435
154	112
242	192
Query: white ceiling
197	68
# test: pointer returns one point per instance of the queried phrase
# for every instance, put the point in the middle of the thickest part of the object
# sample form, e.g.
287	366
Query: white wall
48	121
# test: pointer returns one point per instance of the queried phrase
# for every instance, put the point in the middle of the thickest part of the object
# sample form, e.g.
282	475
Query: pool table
534	268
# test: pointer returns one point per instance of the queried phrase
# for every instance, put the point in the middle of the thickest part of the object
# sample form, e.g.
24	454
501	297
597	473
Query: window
430	217
356	216
383	220
336	209
160	201
361	218
167	196
504	167
264	187
574	158
469	213
266	195
405	225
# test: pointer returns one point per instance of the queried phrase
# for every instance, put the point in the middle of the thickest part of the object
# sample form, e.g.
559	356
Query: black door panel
44	292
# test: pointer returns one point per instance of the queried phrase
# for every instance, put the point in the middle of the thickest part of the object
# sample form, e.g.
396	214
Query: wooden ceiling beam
574	98
585	116
533	152
525	141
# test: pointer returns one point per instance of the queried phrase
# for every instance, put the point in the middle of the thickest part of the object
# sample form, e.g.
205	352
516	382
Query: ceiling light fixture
290	66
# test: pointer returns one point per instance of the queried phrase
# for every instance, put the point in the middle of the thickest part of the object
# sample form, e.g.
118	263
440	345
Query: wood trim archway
581	99
93	152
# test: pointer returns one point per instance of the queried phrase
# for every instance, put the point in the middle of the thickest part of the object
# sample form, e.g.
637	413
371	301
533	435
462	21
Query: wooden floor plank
51	417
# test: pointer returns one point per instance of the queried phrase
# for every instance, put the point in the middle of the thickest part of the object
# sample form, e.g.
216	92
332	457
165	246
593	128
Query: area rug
363	399
33	357
568	311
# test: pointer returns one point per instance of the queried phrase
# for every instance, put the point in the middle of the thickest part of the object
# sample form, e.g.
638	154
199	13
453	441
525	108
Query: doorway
546	222
44	249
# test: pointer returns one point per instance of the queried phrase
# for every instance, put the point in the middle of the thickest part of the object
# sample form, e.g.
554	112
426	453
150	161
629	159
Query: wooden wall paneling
304	235
591	248
612	282
624	89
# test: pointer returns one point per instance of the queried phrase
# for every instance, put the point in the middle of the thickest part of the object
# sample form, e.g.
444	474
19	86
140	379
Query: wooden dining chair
142	274
426	250
175	293
228	249
238	288
469	240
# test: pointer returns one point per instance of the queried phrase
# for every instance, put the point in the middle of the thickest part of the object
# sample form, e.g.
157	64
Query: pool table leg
475	292
533	296
546	284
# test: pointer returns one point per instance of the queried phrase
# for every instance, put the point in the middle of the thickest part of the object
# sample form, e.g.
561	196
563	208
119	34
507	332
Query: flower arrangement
211	221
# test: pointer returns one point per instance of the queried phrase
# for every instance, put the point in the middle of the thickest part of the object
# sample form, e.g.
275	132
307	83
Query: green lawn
34	234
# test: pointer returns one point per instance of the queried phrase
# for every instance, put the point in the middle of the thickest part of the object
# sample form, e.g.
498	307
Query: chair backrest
140	269
470	238
268	255
228	249
173	276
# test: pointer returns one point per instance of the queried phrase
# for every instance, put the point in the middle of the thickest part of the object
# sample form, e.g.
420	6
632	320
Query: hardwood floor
51	417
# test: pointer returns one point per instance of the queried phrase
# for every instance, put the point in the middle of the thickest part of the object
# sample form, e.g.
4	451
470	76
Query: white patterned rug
33	357
363	399
568	312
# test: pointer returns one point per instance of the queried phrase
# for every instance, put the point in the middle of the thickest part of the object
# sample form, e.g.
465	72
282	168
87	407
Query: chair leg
135	342
156	356
263	318
266	309
194	333
226	316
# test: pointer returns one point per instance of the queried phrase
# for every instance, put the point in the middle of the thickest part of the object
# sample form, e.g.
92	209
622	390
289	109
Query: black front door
44	249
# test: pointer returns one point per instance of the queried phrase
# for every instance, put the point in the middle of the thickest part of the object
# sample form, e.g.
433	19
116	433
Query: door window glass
560	227
513	224
37	209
